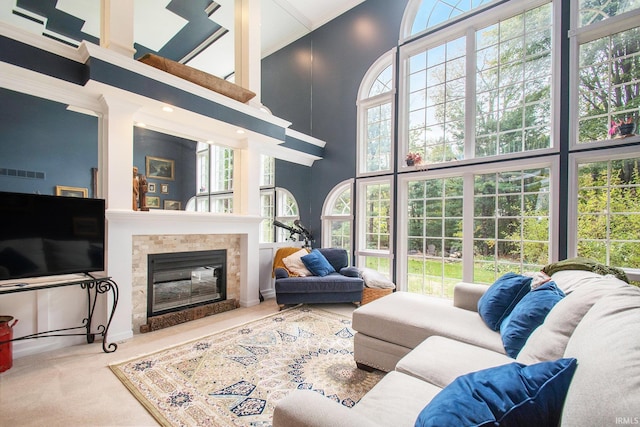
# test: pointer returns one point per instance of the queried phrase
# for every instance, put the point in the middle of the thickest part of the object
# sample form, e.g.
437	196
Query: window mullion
470	96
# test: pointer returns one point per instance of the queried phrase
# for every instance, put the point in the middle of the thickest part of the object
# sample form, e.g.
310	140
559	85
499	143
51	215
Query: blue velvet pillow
507	395
317	264
501	297
527	315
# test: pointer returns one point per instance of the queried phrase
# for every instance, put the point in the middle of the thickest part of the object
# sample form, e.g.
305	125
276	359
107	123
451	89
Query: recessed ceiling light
167	109
240	131
141	125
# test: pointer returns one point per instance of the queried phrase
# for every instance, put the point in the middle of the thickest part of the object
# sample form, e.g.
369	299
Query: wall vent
18	173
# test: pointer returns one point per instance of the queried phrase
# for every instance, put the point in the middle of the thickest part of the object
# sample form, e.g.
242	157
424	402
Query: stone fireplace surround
132	235
160	244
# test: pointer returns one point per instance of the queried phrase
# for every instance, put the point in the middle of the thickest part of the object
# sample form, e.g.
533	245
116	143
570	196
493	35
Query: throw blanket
281	254
585	264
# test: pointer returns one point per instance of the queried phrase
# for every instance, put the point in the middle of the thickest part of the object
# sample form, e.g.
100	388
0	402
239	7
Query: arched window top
379	79
287	204
420	15
338	201
383	83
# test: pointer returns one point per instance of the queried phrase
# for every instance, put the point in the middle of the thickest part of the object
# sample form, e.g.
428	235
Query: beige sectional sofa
425	344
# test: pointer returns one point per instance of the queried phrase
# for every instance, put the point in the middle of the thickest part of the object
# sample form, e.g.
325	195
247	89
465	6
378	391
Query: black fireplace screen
186	279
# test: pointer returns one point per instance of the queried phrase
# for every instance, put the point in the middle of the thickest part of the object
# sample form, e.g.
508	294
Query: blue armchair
344	285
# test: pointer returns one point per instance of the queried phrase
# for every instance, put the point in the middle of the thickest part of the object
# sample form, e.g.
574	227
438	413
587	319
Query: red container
6	348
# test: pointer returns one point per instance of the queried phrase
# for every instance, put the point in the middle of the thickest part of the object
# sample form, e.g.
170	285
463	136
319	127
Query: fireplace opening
177	281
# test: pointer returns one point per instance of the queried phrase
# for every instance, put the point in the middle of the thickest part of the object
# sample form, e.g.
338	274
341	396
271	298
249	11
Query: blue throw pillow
507	395
501	297
317	263
527	315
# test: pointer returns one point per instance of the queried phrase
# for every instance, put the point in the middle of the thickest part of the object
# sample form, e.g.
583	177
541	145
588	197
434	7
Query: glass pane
609	212
512	230
592	11
434	236
379	138
432	13
513	81
608	88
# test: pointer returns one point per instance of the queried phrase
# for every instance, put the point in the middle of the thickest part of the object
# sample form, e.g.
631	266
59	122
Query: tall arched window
375	118
337	217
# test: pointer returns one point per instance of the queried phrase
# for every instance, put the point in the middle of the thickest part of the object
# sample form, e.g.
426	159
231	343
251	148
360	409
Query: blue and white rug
236	377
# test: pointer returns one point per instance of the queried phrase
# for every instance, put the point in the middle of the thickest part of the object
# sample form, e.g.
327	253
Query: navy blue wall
43	136
181	151
343	50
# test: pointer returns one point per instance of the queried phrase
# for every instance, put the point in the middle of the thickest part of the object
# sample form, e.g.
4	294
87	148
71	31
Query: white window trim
578	36
467	172
329	202
364	102
584	157
411	11
361	193
464	28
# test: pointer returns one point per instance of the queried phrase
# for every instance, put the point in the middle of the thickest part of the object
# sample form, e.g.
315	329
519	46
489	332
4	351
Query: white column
116	26
246	180
115	160
115	154
248	46
246	201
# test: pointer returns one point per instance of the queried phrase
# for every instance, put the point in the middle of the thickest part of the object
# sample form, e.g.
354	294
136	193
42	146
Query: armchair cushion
317	264
281	273
282	253
295	265
350	271
337	257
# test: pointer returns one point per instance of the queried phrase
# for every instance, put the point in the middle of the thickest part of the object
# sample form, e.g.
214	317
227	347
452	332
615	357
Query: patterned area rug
236	377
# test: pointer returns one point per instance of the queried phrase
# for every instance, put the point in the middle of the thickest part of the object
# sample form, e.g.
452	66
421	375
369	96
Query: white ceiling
283	21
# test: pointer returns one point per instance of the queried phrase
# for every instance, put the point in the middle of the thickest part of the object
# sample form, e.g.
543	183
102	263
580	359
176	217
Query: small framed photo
172	205
160	168
62	190
164	188
153	202
151	187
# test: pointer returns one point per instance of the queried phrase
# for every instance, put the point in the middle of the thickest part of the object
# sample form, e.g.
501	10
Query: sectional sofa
580	367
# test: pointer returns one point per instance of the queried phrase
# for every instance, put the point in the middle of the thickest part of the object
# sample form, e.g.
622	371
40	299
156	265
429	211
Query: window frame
575	159
328	217
467	174
361	253
490	15
577	37
364	103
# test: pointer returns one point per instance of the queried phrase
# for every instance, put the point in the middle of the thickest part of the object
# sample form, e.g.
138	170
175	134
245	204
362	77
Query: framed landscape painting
153	202
160	168
62	190
172	205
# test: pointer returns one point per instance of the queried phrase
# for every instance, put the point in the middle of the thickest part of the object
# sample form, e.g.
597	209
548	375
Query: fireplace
178	281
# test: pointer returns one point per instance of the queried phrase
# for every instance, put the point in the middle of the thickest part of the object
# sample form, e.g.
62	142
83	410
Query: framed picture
160	168
151	187
153	201
172	205
62	190
164	188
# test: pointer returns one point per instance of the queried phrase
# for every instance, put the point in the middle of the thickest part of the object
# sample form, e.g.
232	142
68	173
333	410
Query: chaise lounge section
430	348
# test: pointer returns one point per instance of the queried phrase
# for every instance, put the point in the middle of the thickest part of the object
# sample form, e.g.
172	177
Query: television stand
94	286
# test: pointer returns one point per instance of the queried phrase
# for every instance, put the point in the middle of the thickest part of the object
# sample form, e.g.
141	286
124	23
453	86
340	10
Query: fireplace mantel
123	225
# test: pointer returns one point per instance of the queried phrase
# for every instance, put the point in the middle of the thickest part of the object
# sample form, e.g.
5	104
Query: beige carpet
237	376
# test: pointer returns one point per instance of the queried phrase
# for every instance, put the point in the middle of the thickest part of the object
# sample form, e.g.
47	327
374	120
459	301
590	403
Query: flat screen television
43	235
